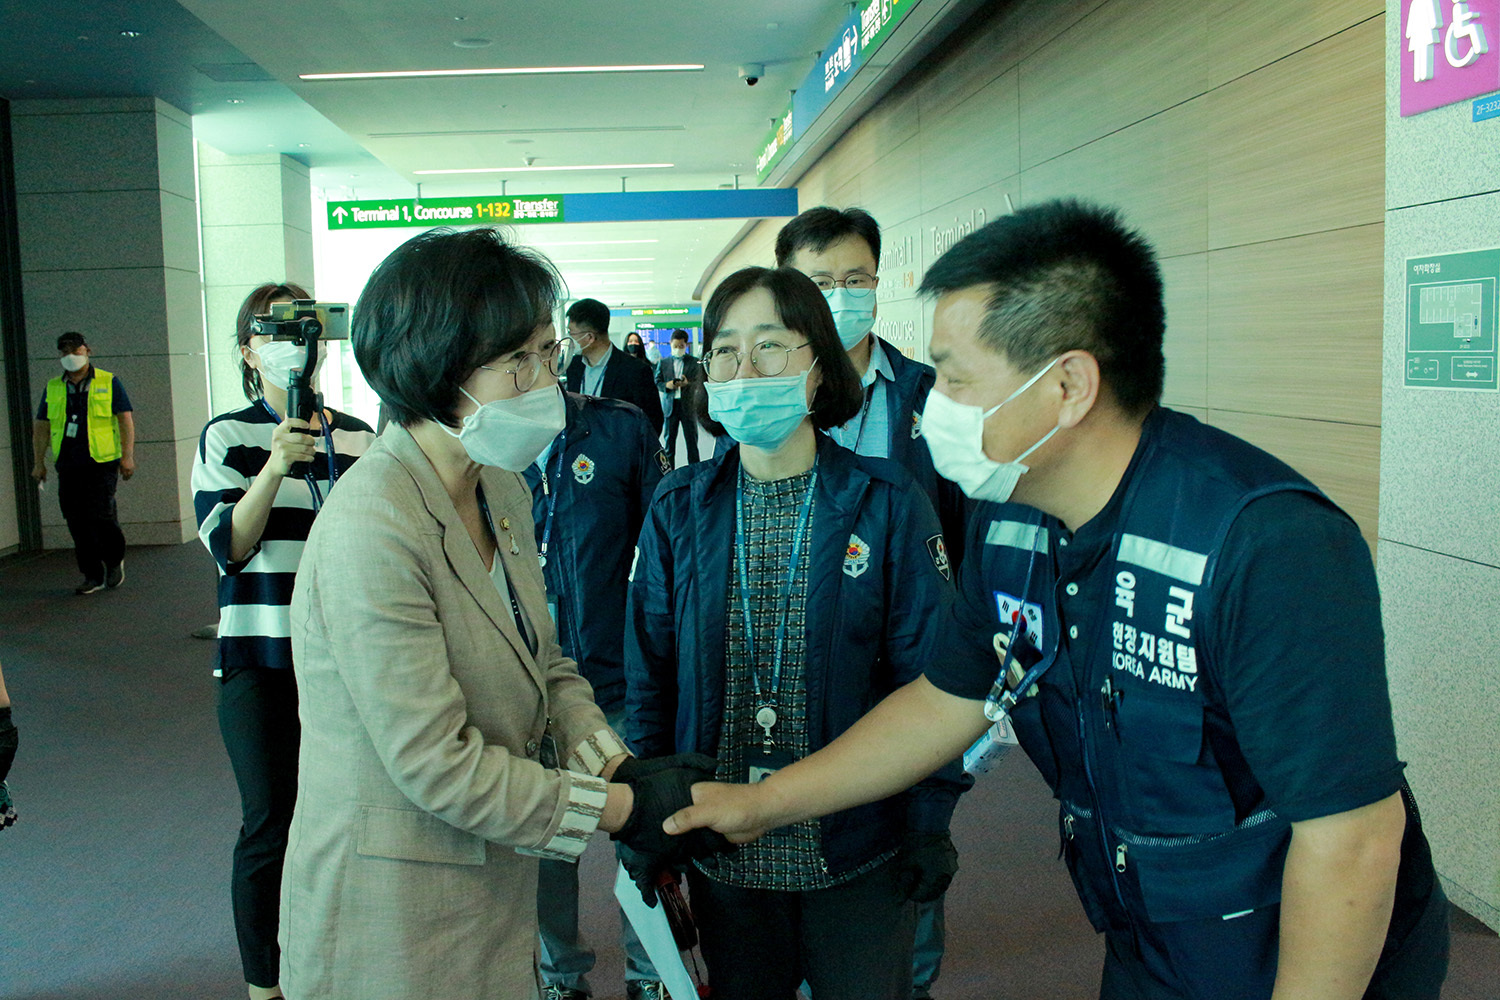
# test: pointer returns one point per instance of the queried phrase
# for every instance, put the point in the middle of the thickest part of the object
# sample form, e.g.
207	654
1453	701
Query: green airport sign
408	212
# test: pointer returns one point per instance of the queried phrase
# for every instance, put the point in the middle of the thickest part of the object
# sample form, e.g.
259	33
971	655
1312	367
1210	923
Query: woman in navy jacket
846	574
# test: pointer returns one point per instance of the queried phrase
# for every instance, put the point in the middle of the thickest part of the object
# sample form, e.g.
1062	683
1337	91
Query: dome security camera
751	73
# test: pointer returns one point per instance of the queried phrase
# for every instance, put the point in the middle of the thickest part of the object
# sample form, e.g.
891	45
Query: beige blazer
423	716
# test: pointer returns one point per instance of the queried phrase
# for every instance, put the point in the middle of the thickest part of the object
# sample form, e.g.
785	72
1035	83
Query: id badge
762	761
71	430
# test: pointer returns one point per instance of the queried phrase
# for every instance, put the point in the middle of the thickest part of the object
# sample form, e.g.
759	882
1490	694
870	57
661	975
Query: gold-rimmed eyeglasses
769	357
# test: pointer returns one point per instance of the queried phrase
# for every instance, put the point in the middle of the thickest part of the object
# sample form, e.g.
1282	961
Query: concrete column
1439	480
257	227
107	213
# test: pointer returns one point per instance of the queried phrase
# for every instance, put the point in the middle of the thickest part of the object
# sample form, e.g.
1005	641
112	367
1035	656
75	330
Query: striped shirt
255	594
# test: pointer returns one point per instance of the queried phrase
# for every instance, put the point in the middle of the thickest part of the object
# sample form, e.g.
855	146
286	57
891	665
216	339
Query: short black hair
819	228
681	335
1066	275
70	342
802	309
442	304
258	303
592	312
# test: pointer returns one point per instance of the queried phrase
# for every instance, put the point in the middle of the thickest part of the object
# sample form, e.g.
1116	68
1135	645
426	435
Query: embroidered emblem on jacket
938	549
856	556
583	470
916	425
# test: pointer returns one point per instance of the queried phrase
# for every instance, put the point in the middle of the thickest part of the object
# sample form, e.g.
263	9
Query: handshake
661	787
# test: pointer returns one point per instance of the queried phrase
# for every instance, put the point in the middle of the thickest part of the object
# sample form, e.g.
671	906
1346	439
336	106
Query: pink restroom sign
1450	52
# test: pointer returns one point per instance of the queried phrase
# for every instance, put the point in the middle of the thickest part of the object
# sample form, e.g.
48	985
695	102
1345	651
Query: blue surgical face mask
853	313
760	412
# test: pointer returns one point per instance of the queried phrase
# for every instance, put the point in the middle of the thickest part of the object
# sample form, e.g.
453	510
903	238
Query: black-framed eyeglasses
769	357
528	367
858	281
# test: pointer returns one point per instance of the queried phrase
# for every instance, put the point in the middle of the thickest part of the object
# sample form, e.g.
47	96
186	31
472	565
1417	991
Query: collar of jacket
508	498
579	422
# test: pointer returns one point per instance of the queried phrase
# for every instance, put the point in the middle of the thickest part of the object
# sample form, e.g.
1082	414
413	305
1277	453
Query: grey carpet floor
115	882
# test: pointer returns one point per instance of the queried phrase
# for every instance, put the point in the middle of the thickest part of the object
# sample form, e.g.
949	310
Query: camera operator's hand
926	866
292	441
657	796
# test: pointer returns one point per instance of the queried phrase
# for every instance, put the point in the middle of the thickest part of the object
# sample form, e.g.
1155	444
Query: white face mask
74	362
678	352
511	433
279	357
955	436
853	313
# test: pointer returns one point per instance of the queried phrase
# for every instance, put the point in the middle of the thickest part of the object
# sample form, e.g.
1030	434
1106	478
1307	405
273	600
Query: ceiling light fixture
128	33
524	170
406	74
234	100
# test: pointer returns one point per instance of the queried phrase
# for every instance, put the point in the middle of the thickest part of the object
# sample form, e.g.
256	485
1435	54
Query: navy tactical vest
1161	819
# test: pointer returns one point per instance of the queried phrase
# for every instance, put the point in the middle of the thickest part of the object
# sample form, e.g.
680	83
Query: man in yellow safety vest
85	418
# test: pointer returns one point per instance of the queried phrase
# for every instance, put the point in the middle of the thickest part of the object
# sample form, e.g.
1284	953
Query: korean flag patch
856	556
938	549
583	470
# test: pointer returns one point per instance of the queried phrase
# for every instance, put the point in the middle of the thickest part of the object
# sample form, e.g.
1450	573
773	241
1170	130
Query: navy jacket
904	401
599	479
625	378
867	633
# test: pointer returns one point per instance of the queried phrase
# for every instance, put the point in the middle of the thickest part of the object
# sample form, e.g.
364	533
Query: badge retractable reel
306	323
768	758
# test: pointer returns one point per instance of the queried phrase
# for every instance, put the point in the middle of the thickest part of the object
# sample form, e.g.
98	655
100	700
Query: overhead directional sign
616	206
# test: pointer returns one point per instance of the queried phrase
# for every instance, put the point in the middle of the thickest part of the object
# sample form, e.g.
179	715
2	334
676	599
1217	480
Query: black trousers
86	494
851	942
681	415
258	720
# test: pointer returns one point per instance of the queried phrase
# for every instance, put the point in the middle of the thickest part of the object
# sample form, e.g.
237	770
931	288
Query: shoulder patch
916	424
663	461
938	549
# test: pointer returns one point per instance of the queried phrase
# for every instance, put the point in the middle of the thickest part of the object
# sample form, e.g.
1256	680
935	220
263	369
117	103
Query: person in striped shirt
254	516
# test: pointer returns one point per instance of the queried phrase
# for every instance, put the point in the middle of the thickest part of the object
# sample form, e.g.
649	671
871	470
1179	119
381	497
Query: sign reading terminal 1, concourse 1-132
1450	321
443	212
604	206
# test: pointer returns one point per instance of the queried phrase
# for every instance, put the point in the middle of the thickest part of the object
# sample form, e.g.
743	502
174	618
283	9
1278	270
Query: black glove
925	866
652	849
631	769
8	742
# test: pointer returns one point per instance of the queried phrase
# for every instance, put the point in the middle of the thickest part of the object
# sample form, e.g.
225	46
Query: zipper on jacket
1120	858
1255	819
1088	773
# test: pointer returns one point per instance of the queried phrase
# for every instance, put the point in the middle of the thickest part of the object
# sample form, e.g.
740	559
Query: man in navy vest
1184	633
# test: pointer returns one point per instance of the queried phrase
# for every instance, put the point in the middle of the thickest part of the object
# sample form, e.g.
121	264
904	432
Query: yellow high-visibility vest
103	426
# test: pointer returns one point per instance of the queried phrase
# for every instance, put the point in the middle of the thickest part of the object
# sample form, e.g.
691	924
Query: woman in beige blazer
446	742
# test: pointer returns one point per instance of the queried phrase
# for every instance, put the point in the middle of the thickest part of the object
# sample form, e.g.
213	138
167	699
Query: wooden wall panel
1120	65
1295	326
972	144
1154	171
1300	145
1245	35
1343	460
1186	344
1245	139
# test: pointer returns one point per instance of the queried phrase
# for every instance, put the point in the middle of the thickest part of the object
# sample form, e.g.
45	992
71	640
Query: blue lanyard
864	414
333	466
562	446
786	594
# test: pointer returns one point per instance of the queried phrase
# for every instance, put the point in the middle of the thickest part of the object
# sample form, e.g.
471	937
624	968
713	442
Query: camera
751	73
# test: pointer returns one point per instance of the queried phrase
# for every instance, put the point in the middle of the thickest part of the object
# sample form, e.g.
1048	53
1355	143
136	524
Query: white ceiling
367	138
